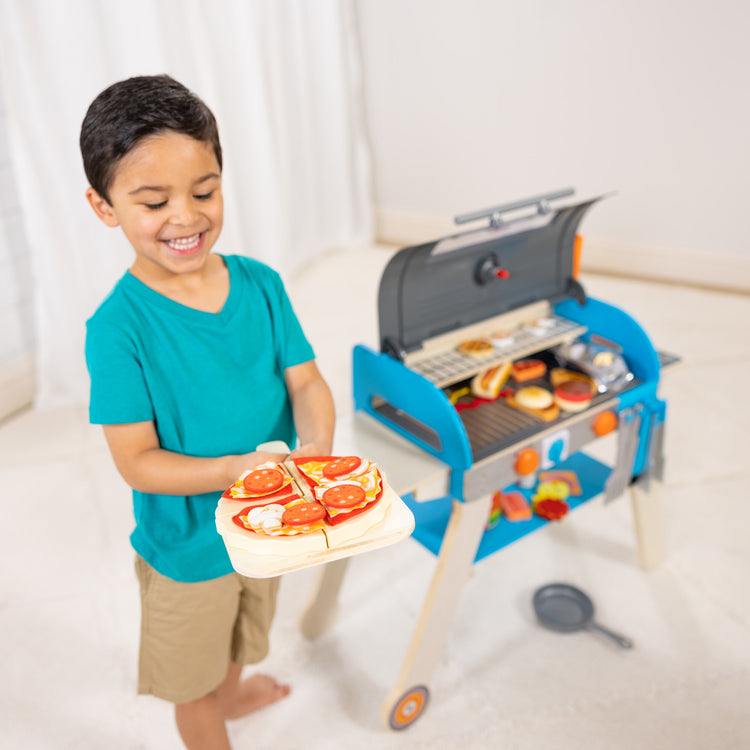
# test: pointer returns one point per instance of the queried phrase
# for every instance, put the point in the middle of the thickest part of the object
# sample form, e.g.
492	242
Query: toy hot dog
489	383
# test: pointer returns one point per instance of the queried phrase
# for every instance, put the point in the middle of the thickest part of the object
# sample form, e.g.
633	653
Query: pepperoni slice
302	514
344	496
262	481
340	466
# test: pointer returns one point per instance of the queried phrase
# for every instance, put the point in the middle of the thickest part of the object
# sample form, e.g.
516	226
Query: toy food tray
260	556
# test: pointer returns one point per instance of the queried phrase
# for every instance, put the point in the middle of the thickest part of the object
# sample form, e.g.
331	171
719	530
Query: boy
195	359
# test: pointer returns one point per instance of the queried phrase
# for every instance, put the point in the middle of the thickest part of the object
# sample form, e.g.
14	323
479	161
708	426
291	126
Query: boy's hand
240	464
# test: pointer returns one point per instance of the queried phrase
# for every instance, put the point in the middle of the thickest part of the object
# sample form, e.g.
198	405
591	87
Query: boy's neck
206	289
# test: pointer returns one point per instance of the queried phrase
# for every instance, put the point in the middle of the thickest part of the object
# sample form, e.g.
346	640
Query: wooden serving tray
249	552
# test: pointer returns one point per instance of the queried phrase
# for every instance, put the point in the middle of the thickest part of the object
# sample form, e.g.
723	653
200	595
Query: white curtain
282	79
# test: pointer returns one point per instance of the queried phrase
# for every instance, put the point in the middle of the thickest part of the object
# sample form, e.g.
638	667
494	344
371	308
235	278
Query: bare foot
256	692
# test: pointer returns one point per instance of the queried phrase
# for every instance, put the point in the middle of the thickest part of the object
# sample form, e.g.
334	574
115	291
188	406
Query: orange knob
527	462
605	423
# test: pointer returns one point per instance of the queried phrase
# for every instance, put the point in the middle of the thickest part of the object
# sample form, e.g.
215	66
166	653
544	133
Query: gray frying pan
562	607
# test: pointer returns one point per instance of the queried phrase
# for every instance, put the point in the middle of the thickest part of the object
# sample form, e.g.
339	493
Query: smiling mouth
184	244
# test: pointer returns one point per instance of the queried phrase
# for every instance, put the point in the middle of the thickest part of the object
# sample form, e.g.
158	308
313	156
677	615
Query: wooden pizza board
248	552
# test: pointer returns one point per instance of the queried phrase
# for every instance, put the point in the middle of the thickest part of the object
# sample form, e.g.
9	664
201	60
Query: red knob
502	273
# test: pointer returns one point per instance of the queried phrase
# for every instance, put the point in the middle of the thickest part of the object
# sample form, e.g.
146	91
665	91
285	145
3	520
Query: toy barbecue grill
512	284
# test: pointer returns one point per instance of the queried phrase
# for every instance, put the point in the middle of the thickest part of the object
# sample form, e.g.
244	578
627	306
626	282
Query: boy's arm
148	468
314	412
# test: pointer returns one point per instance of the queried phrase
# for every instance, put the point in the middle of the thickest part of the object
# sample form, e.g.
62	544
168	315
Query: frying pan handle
620	640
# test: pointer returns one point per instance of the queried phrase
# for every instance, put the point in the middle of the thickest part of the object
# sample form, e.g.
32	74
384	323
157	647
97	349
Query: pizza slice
345	486
275	529
266	483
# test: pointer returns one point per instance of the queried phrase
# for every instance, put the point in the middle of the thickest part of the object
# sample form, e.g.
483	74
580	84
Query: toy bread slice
559	375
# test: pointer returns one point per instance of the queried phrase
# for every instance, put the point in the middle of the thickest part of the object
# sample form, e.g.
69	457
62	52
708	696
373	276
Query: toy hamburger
574	395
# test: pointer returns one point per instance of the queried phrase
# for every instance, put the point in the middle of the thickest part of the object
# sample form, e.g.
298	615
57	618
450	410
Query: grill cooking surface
495	426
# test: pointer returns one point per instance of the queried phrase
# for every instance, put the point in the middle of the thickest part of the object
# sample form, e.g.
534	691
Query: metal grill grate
450	366
495	426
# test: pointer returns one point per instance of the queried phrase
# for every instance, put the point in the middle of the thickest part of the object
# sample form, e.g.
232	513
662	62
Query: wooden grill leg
457	553
649	524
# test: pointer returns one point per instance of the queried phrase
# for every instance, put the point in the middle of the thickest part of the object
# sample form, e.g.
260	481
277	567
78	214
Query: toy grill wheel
409	707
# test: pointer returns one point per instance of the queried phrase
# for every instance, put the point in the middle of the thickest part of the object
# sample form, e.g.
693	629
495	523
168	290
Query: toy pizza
304	505
475	347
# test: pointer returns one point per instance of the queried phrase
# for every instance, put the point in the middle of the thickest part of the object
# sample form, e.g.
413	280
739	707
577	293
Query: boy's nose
184	213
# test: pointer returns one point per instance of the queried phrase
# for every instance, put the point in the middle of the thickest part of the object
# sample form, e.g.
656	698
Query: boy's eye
155	206
204	196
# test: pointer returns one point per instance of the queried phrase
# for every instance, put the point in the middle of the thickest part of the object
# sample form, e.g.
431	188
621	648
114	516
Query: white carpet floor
69	604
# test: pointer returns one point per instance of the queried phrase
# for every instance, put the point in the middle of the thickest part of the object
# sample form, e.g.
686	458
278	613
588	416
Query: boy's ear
101	208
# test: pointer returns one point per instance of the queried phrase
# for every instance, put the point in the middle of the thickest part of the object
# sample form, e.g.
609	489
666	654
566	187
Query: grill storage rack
518	270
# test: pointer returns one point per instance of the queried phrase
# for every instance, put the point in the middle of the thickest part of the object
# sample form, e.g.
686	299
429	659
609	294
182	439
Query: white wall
472	103
16	303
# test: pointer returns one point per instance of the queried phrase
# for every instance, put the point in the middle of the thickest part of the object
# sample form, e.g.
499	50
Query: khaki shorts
190	631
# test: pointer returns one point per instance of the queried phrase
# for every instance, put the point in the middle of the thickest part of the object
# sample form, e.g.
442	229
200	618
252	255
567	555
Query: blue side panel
616	325
432	516
380	376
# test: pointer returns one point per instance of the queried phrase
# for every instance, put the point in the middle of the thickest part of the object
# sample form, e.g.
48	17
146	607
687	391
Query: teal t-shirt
214	385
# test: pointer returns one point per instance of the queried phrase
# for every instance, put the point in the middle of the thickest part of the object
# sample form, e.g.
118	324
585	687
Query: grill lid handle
495	213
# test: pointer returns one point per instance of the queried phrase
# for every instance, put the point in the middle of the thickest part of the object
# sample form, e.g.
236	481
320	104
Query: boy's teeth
184	243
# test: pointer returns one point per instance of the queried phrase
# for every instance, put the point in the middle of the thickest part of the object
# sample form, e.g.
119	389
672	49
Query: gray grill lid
441	286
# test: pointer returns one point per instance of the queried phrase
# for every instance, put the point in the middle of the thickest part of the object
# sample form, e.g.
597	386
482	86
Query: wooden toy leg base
409	707
322	608
649	525
457	553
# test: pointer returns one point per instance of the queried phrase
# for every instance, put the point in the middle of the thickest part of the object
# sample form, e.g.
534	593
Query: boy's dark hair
130	110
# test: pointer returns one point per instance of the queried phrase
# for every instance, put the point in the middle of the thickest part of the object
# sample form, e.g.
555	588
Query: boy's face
166	197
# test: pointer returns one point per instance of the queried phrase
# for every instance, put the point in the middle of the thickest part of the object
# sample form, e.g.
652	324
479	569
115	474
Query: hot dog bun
488	383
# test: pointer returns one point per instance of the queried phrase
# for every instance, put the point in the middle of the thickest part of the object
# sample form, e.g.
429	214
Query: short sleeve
119	394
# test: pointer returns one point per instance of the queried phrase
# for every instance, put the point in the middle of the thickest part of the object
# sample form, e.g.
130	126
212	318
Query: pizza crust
264	544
